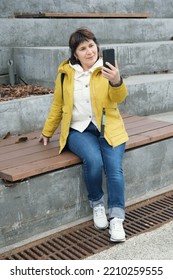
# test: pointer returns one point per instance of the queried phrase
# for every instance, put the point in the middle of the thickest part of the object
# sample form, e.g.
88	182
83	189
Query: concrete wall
39	65
149	94
157	8
49	32
24	115
5	55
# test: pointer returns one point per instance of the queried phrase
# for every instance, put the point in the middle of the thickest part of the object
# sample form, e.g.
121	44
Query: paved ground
153	245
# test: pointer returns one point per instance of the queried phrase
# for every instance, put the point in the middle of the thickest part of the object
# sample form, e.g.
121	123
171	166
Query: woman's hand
44	139
112	73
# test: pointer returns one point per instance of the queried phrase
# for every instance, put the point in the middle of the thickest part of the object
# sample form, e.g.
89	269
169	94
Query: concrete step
54	200
148	95
4	80
157	8
5	55
49	32
39	65
24	114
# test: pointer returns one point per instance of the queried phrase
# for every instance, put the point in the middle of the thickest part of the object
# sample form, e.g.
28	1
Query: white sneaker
116	230
99	217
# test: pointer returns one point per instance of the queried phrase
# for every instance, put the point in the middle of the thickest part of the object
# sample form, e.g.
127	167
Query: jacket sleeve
54	117
118	94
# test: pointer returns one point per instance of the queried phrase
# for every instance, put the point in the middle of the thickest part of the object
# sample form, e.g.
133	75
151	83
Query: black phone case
108	56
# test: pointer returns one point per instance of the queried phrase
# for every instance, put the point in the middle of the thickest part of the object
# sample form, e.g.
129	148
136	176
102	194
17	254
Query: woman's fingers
44	140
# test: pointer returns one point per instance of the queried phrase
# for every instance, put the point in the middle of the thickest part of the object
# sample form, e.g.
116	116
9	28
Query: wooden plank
96	15
13	138
160	133
15	147
133	119
82	15
27	170
137	141
125	115
30	135
24	151
67	158
32	146
150	137
31	158
140	123
147	128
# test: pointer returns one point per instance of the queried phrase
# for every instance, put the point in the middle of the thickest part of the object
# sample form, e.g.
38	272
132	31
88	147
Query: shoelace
116	225
99	211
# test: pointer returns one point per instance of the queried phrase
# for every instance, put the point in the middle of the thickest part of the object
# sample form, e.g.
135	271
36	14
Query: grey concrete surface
39	65
49	32
153	245
24	114
147	95
4	80
5	55
156	8
45	202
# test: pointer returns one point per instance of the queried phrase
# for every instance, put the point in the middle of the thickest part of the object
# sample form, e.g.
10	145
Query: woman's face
87	54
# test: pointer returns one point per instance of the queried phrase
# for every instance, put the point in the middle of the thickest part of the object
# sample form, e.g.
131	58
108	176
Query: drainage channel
84	240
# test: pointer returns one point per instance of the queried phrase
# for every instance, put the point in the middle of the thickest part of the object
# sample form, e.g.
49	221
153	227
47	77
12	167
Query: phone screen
108	56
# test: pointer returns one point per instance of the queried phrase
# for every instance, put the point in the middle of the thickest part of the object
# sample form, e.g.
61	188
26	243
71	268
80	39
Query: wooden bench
23	156
81	15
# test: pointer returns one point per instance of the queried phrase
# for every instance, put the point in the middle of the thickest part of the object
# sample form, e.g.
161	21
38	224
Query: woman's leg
112	158
87	147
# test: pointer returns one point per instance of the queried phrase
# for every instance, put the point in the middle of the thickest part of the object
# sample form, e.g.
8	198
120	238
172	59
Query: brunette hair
77	37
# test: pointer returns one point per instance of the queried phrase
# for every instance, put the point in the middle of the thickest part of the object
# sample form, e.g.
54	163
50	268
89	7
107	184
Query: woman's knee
94	161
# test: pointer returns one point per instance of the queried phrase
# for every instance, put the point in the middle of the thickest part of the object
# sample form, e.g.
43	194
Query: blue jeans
96	155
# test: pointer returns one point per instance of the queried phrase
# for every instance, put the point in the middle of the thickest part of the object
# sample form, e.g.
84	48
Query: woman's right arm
54	117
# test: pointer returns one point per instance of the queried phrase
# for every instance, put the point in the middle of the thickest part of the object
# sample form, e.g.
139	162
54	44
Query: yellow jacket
103	96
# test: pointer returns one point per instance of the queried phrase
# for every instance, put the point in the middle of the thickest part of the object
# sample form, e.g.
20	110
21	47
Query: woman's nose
89	50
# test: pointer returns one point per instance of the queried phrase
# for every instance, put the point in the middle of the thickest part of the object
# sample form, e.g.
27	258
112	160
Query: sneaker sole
101	227
117	240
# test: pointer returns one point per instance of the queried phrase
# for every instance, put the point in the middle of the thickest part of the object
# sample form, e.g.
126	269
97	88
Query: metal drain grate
84	240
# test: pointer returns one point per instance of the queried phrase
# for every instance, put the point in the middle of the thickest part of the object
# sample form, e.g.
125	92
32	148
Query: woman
92	127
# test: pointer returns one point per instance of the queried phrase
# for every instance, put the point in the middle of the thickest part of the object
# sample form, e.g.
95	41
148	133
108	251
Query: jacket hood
65	67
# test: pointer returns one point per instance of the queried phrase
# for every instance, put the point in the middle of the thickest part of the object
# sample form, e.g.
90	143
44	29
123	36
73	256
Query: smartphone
108	56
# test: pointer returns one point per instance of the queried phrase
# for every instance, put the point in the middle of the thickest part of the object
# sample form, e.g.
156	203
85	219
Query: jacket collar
79	70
